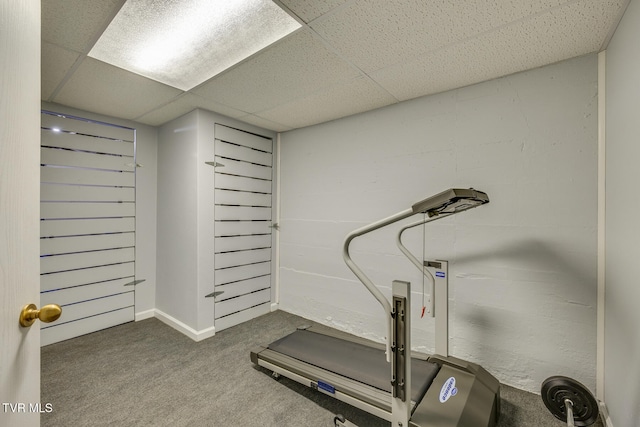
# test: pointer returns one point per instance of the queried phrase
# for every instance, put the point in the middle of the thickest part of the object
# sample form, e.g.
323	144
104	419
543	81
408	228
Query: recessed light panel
183	43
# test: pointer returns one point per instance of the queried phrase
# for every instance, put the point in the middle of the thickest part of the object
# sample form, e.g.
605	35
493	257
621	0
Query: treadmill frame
482	389
398	330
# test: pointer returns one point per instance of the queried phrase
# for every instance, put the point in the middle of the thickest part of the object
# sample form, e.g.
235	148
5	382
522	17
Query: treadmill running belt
355	361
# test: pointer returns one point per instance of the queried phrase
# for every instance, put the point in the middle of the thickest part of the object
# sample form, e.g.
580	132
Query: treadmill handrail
414	260
384	302
435	207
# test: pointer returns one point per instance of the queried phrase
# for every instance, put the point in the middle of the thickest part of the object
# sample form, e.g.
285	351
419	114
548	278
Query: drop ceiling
348	57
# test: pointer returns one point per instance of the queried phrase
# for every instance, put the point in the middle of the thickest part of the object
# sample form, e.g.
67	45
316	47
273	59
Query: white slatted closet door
242	226
87	227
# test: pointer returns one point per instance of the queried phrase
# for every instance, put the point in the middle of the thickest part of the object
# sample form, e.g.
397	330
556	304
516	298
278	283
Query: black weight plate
558	388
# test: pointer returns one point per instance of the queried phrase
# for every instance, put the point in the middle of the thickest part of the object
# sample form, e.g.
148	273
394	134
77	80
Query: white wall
523	268
177	220
146	199
185	252
622	316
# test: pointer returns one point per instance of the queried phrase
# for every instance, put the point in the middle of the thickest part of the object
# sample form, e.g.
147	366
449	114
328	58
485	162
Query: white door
19	198
243	226
87	226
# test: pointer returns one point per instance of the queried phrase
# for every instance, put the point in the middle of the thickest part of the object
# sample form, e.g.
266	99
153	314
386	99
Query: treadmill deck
354	370
358	362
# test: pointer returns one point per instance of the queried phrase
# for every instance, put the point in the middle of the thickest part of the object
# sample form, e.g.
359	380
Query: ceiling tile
104	89
76	24
341	100
379	33
56	63
439	71
182	105
330	68
294	67
517	47
264	123
308	10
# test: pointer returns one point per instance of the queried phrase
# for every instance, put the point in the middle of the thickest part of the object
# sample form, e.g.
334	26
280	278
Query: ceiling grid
350	56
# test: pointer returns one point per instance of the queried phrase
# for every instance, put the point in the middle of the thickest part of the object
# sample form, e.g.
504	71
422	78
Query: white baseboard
148	314
183	328
274	306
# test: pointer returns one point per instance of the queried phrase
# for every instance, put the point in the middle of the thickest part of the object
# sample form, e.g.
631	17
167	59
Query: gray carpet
147	374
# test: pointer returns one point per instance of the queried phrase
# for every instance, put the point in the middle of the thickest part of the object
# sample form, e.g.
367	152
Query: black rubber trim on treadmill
352	360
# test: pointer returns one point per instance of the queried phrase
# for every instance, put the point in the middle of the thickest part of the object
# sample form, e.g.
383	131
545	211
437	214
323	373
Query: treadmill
388	380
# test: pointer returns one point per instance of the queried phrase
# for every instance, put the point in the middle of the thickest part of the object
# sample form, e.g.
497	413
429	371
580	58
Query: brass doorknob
30	313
